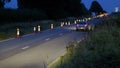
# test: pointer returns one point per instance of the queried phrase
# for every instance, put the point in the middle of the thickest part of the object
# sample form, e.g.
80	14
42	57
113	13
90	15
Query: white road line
26	47
7	40
47	39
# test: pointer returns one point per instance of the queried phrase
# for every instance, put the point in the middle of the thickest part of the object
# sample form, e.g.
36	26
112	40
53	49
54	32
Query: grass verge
101	49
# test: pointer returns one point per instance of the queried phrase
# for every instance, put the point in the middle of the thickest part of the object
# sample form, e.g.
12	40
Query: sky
108	5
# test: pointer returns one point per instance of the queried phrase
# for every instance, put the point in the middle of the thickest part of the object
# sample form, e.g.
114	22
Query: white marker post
18	33
38	28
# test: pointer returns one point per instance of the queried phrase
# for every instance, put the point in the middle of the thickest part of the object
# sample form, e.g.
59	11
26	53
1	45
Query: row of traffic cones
38	28
35	30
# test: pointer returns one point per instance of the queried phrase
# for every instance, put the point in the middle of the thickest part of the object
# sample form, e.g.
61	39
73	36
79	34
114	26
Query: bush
101	49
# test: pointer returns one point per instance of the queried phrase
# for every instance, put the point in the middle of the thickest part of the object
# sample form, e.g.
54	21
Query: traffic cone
18	33
34	30
75	22
52	26
61	24
68	23
38	28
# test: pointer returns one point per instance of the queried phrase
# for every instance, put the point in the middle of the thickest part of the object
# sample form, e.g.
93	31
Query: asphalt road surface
37	50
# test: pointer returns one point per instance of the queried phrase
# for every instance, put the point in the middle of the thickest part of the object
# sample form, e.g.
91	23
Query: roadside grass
100	49
21	18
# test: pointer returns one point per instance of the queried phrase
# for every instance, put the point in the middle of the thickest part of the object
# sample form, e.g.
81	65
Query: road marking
26	47
47	39
7	40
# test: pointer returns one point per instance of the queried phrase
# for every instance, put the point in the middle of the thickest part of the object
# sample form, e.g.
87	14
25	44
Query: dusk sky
108	5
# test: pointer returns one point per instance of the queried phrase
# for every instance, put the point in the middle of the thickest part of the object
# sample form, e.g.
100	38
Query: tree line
58	8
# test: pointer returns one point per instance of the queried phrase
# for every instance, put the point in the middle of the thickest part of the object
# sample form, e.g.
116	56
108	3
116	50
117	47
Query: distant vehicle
84	26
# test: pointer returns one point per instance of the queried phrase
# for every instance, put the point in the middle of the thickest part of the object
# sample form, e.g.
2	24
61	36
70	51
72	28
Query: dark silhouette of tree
96	7
84	10
2	3
55	8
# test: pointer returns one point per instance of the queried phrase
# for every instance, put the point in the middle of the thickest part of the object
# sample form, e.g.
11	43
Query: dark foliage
55	8
2	2
96	8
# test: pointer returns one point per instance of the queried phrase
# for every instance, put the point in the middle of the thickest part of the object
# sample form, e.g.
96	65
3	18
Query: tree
96	8
84	10
2	3
55	8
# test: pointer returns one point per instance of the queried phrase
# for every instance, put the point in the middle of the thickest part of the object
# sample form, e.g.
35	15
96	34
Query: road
37	50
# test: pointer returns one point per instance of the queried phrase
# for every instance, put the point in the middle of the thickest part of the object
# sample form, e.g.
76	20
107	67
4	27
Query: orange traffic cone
52	26
34	30
61	24
18	33
38	28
